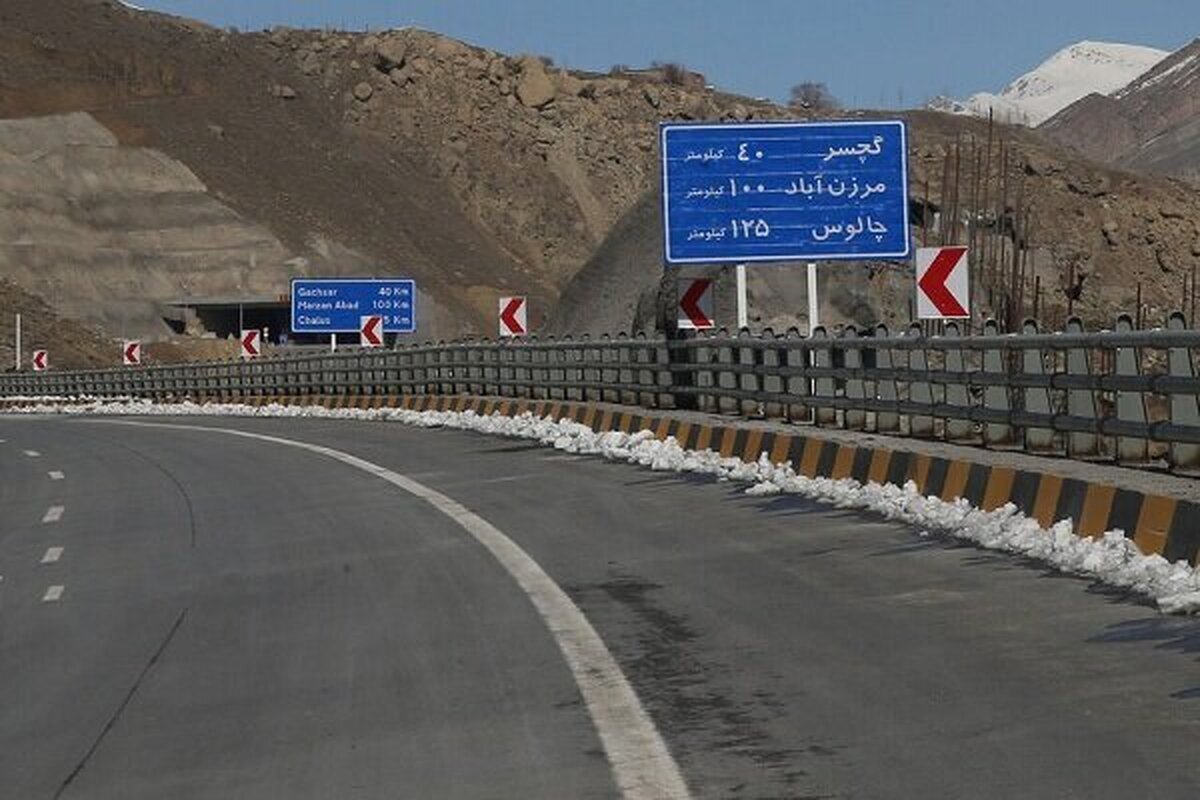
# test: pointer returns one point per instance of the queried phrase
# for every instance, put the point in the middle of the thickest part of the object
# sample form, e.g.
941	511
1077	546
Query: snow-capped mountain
1069	74
1152	124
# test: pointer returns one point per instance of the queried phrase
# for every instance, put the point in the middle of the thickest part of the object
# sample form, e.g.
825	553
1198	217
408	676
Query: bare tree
813	96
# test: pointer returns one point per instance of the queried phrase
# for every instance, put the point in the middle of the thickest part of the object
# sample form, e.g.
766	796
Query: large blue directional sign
784	191
337	305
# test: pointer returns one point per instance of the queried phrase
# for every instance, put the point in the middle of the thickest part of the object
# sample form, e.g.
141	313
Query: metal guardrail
1123	395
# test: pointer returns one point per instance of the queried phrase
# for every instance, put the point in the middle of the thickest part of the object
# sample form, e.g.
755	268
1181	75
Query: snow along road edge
1111	558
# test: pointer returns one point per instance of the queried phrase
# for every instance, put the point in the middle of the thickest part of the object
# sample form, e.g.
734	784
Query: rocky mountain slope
399	154
1153	124
1111	230
103	230
407	153
1073	72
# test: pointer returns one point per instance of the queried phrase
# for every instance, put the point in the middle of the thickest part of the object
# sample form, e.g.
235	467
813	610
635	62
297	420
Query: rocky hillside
1153	124
478	173
104	231
1111	229
71	344
401	154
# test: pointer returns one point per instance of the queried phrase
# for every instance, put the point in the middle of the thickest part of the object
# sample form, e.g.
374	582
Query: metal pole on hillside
17	344
742	318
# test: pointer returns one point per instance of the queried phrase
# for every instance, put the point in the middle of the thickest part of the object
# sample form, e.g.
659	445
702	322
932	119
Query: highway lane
783	649
323	638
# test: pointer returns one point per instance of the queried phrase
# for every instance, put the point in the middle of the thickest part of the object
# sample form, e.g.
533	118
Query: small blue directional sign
337	305
784	191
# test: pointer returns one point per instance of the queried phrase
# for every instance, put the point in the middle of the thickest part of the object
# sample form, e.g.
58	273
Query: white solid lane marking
53	554
53	594
56	475
53	514
32	453
641	763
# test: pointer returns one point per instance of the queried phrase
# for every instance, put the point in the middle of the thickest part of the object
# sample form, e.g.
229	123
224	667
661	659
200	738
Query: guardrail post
567	357
646	380
725	378
1185	408
1131	406
771	358
824	386
919	390
995	395
1081	402
795	356
854	418
957	392
1037	398
704	373
624	375
885	386
539	370
663	377
586	373
747	358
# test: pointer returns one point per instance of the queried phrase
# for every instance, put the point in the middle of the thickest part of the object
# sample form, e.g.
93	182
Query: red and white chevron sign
512	316
943	283
41	360
131	354
370	331
695	304
251	343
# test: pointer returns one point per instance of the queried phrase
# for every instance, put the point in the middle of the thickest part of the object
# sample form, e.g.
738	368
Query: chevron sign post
943	283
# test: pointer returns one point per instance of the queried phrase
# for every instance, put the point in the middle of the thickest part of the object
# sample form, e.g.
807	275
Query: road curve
244	619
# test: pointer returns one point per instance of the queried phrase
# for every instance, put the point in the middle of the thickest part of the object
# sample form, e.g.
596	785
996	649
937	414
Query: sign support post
742	319
814	306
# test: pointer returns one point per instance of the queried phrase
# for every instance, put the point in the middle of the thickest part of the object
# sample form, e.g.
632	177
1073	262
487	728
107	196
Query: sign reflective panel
784	191
338	305
251	343
943	283
695	304
513	316
131	354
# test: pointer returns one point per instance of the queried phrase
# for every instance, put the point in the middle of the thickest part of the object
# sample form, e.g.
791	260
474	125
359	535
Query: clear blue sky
871	53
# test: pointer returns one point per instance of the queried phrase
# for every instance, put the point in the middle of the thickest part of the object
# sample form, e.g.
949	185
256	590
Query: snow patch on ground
1112	558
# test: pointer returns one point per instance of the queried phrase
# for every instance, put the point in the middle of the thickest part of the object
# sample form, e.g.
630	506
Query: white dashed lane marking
53	594
32	453
53	514
53	554
56	475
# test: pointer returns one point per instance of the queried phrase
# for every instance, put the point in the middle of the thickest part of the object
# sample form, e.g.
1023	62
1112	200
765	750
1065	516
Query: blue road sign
784	191
337	305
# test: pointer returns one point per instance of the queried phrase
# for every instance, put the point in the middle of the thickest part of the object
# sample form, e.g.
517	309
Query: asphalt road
240	619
